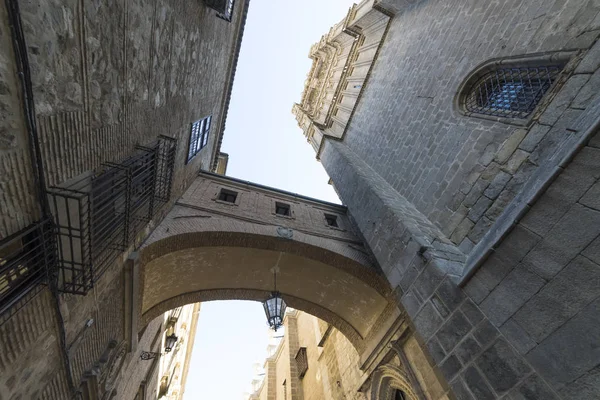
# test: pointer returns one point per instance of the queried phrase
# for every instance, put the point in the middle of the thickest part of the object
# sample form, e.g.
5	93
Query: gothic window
198	136
510	90
399	395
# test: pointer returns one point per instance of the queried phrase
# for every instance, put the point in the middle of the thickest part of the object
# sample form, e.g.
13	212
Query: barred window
512	92
301	362
198	136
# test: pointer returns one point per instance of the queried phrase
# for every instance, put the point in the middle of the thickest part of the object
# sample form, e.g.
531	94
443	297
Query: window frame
228	14
285	206
198	137
550	59
335	221
226	193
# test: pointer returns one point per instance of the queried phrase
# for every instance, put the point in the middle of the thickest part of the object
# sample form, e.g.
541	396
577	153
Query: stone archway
207	249
205	266
387	380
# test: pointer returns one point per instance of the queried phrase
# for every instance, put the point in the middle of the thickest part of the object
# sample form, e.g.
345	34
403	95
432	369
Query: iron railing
25	261
99	214
511	92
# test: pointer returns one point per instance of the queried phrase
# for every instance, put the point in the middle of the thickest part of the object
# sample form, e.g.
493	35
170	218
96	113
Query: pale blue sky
265	146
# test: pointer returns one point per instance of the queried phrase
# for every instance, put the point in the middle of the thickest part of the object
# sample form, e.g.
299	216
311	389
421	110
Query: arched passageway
207	250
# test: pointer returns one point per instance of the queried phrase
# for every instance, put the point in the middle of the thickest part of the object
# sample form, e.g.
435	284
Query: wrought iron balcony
25	261
98	215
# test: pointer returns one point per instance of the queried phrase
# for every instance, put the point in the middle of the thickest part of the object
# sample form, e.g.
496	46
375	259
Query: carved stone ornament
286	233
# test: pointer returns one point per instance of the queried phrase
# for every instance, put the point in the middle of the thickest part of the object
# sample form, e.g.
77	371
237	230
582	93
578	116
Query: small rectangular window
198	137
228	195
301	362
331	220
282	209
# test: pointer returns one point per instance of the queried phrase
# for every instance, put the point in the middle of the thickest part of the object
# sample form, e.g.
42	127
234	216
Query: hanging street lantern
170	342
275	307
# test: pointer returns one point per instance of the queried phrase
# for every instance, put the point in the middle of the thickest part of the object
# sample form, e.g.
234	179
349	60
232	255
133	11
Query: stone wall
533	299
105	77
461	172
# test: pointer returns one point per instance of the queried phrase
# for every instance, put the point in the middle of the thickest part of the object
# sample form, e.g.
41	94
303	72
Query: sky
266	146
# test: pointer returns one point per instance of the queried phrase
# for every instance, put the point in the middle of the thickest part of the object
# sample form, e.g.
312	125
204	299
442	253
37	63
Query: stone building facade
461	137
478	202
109	110
315	361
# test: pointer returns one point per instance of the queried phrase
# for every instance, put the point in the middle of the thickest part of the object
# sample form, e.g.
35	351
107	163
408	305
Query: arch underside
332	291
387	379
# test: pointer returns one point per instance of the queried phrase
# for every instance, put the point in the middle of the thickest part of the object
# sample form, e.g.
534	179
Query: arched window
510	90
399	395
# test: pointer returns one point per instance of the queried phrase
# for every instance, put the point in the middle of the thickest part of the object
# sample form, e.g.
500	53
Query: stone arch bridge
214	247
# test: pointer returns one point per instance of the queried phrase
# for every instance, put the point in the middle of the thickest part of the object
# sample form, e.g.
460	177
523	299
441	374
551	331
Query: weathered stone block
477	385
466	350
593	251
455	328
570	351
592	197
427	321
481	228
428	281
517	336
585	387
536	133
476	290
479	208
510	145
517	244
533	388
591	61
494	270
502	366
475	192
568	237
485	333
557	200
435	350
471	311
462	230
514	163
450	367
562	100
588	93
450	294
496	209
460	391
510	295
569	292
497	184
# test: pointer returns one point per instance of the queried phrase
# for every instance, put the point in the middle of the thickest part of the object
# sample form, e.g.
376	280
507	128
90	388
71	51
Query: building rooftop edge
237	48
270	188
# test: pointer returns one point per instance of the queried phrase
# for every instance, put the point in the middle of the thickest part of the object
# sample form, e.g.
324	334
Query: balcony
98	215
26	258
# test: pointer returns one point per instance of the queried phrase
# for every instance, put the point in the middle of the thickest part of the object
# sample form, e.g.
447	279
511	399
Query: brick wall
106	76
